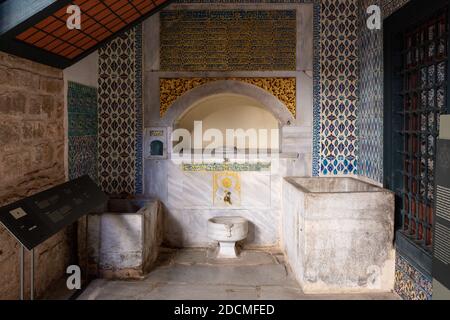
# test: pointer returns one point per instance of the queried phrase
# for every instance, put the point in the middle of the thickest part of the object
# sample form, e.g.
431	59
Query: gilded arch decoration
282	88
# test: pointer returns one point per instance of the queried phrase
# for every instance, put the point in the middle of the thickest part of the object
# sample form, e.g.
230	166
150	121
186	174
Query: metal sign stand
34	219
86	280
21	266
32	276
22	273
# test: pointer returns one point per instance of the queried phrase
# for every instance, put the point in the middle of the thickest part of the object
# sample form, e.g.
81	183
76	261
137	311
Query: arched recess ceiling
37	30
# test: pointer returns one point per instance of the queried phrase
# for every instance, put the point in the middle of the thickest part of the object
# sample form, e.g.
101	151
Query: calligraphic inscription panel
231	40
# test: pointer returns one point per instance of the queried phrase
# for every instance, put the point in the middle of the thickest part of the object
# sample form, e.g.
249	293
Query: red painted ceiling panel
100	19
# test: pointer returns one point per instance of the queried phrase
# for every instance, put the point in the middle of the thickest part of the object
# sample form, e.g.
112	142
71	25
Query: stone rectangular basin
332	185
124	239
337	234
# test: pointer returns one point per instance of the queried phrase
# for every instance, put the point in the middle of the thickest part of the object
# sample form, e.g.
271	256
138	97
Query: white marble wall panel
175	224
189	203
197	189
175	186
157	172
296	139
255	190
188	228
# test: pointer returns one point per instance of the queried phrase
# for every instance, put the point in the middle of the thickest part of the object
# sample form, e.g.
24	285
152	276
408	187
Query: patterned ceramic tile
370	107
120	118
411	284
82	109
139	182
390	6
236	167
83	157
339	84
82	122
316	90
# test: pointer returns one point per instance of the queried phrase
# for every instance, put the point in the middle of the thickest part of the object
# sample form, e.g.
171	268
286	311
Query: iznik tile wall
390	6
339	85
370	106
336	61
82	119
120	114
316	163
410	283
351	112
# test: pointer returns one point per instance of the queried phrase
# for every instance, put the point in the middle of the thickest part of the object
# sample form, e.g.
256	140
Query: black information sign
35	219
441	241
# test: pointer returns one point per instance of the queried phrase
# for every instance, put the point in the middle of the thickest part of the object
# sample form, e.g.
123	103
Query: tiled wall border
139	182
82	130
410	283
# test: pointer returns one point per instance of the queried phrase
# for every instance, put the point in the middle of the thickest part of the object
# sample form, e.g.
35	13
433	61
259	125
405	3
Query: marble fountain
199	192
336	233
124	238
227	231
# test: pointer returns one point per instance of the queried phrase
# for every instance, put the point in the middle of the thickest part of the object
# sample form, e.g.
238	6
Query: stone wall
31	160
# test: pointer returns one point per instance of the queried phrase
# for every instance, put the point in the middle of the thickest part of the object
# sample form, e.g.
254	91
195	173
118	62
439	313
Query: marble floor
193	274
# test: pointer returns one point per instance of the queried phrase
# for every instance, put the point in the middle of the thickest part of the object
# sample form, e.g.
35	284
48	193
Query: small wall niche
156	143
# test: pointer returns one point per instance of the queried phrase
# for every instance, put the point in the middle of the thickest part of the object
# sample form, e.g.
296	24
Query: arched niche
225	111
194	96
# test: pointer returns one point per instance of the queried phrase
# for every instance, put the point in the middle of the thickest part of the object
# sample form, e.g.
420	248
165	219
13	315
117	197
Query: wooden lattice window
423	97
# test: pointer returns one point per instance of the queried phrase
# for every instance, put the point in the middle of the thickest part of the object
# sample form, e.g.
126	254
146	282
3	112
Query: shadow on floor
193	274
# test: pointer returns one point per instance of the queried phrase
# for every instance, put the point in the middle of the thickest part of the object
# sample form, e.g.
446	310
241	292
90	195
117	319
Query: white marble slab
255	190
197	189
188	228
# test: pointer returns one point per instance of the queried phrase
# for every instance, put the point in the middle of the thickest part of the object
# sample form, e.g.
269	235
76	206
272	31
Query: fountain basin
124	238
337	234
227	231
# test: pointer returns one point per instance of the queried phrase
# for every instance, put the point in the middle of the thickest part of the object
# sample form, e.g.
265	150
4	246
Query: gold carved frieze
282	88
